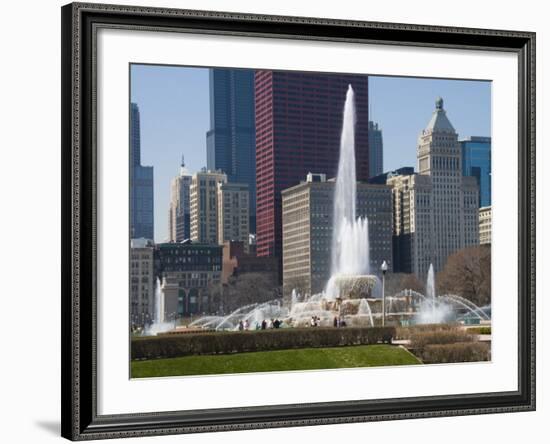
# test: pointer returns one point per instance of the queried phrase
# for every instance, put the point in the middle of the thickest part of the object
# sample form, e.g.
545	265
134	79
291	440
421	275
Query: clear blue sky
174	110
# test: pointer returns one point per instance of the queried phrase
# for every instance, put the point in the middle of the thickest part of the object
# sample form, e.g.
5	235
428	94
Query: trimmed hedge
458	352
172	346
421	340
408	332
480	330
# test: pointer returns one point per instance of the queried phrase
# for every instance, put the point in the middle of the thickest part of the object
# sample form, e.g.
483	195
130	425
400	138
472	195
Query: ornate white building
436	209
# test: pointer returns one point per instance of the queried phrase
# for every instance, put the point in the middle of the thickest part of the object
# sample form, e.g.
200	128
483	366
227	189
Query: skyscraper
135	135
233	217
436	210
141	184
179	216
141	281
376	150
476	161
204	206
298	125
308	211
231	145
485	219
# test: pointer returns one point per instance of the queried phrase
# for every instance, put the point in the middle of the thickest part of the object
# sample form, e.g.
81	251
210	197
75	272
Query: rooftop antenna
183	170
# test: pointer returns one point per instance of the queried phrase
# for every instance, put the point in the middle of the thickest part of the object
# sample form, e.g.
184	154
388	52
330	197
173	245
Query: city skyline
175	116
339	241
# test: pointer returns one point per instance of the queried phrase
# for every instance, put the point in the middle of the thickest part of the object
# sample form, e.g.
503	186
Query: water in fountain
253	313
159	302
433	310
465	304
428	312
350	235
430	288
159	324
293	298
364	310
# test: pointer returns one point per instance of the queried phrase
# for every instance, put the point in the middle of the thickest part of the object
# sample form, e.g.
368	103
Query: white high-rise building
436	209
204	206
141	281
485	222
233	213
179	217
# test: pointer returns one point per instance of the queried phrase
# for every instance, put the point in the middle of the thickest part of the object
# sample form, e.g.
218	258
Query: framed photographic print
278	221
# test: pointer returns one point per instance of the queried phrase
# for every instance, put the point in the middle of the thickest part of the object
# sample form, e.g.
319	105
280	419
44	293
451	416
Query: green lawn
276	360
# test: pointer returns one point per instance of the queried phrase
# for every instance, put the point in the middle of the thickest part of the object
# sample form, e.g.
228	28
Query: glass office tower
476	161
141	184
231	140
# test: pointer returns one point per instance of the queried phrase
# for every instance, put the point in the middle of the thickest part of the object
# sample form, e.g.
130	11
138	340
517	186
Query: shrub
420	340
171	346
458	352
480	330
407	332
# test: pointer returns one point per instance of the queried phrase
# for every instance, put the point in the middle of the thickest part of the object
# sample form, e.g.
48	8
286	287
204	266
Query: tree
249	288
467	273
396	282
215	293
411	282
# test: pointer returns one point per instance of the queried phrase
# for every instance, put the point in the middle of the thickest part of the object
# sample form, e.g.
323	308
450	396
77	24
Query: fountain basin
348	286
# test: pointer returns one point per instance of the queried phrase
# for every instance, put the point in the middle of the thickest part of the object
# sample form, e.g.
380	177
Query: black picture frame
80	22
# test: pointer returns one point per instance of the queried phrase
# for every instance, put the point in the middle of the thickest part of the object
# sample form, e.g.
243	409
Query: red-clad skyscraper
298	125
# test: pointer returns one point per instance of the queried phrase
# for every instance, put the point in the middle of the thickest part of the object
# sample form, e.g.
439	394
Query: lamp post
384	268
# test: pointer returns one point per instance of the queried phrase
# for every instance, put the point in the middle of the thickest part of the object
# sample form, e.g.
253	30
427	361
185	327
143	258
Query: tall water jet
430	288
159	303
432	309
345	192
159	324
350	235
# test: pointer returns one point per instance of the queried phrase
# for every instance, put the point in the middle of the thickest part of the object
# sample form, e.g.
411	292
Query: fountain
432	310
293	298
435	309
348	294
430	288
350	259
159	324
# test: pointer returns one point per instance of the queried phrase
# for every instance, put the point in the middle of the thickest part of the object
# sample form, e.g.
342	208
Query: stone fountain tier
354	286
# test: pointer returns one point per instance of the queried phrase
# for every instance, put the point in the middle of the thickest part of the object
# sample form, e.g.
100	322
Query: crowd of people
264	325
315	321
337	322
